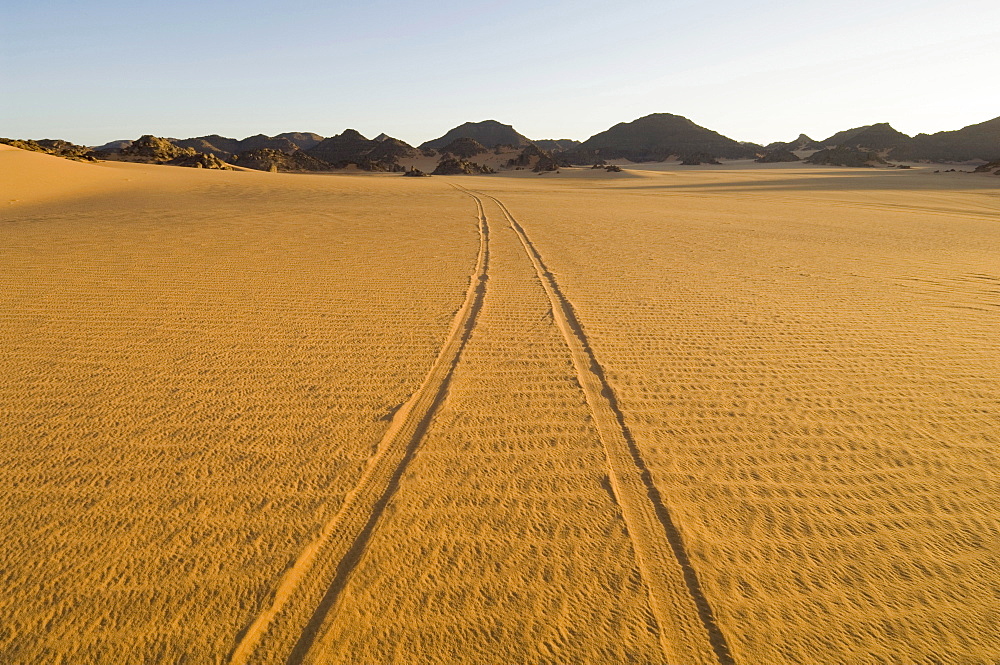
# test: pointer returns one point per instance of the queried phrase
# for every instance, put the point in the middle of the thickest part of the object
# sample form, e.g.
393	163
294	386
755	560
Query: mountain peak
489	133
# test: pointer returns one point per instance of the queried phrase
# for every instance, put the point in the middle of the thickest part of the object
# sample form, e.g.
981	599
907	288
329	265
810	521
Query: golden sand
710	416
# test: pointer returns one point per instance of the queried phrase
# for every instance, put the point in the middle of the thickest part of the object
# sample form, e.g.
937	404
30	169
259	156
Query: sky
96	71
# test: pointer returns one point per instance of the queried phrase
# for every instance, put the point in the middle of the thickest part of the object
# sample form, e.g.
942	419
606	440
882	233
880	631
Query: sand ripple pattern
345	536
688	629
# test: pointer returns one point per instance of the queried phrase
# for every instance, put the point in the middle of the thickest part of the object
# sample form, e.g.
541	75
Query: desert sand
726	415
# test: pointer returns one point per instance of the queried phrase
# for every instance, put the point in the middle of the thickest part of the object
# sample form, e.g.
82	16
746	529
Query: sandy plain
722	415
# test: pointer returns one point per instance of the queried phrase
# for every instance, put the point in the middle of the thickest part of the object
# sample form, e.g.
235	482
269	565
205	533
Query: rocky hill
536	159
979	141
56	147
992	167
880	136
655	138
388	150
152	150
463	147
489	133
450	166
351	147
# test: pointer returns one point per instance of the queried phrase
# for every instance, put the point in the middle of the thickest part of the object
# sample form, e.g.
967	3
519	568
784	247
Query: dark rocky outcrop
610	168
200	161
489	133
149	149
777	155
56	147
416	173
992	167
463	148
269	159
152	149
655	138
450	166
698	158
845	156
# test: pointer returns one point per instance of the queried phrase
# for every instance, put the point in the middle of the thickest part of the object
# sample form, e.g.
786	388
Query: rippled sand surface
709	416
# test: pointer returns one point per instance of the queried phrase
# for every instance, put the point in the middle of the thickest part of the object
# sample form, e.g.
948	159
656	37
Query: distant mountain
351	147
490	133
880	136
114	146
803	142
655	138
224	147
259	141
302	140
556	145
213	144
980	141
344	146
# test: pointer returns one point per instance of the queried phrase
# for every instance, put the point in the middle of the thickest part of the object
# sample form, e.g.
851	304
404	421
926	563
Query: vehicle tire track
689	632
345	537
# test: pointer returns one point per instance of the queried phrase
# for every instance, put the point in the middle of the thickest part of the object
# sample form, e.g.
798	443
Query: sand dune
727	415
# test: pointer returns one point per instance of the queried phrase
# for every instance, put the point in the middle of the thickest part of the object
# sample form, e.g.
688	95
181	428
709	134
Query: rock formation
463	148
845	156
450	166
269	159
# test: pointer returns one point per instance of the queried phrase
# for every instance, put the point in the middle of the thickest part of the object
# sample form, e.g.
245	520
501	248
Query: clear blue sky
93	71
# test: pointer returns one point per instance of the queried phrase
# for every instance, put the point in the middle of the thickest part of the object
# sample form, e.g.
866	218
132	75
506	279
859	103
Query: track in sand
344	537
659	546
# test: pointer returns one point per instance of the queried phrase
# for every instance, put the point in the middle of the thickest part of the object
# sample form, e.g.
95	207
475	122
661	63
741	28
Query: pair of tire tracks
689	632
345	537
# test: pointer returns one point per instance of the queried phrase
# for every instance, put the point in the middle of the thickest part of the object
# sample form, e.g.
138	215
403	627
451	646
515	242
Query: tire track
345	537
689	632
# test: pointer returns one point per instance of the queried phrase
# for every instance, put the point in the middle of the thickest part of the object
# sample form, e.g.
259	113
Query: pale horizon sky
751	70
